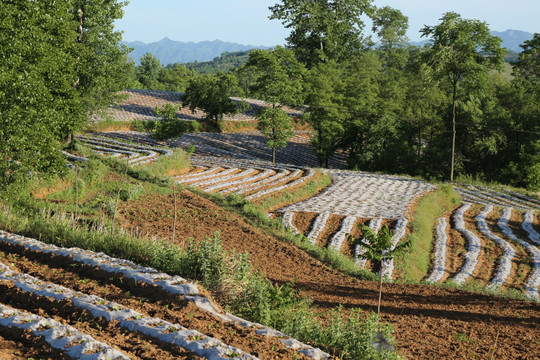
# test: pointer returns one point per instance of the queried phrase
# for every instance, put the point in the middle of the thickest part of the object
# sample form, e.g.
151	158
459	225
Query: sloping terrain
140	105
86	303
482	244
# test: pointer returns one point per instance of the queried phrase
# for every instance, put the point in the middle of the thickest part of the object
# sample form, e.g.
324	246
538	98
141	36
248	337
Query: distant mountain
511	39
169	51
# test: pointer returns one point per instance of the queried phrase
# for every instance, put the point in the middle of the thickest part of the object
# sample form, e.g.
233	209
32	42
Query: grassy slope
415	263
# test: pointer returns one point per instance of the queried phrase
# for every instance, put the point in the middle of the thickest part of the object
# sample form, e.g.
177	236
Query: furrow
195	179
505	263
282	174
475	246
439	255
528	227
129	319
171	284
288	222
318	227
310	174
225	180
65	338
533	282
375	224
401	229
238	184
211	170
346	227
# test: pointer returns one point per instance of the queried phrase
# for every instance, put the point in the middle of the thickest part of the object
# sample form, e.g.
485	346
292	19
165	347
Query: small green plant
378	247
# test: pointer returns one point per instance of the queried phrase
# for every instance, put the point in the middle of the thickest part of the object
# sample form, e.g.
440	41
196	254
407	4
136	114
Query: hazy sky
246	21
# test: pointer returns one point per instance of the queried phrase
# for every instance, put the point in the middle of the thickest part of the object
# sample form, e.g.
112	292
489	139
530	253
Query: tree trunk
380	288
453	131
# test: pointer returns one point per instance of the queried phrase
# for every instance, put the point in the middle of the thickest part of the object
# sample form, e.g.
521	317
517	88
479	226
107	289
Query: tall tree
279	82
59	62
275	124
324	29
148	71
102	67
37	70
461	49
324	97
212	94
528	62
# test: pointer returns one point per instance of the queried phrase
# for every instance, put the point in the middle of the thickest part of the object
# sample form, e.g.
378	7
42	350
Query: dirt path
430	322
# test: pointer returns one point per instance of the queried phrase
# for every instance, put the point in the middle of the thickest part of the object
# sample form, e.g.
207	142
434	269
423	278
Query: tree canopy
323	30
212	94
462	50
59	62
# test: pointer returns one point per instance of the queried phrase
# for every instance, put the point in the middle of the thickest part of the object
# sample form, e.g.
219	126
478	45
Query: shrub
170	126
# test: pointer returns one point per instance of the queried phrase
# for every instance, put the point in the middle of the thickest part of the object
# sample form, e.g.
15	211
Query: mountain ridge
170	51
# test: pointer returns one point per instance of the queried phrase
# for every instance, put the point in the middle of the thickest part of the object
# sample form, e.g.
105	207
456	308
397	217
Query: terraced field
473	244
91	306
140	104
111	308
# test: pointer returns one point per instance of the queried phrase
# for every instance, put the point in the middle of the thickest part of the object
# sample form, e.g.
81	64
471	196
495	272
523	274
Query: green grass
313	187
230	276
255	215
469	180
415	263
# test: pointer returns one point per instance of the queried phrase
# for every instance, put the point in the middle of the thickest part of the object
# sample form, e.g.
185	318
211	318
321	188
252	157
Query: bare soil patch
521	264
333	225
145	299
489	255
303	221
17	344
430	321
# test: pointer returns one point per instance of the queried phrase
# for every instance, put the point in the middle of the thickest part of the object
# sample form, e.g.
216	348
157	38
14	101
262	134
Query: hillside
170	310
169	51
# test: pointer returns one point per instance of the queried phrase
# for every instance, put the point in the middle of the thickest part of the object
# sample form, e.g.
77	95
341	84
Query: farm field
491	241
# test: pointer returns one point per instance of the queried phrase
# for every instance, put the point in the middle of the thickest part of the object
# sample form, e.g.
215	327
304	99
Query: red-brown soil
430	322
145	299
304	221
521	265
456	247
17	344
490	253
333	225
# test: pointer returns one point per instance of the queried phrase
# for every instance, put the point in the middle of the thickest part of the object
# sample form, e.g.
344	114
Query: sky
246	21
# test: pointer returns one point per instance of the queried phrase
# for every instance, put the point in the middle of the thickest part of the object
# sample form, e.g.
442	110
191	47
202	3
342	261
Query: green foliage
275	124
324	95
170	126
378	245
415	263
148	71
226	62
323	30
59	63
280	76
462	50
211	93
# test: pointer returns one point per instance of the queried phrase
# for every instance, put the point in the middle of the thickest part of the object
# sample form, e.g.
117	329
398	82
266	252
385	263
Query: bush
170	126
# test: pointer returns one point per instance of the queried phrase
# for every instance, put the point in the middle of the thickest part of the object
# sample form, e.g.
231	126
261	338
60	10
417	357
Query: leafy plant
378	247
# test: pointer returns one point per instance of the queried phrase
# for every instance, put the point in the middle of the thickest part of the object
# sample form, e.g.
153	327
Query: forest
440	112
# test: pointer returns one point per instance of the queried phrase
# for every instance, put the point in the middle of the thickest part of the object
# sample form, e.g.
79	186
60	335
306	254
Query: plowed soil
147	300
17	344
430	322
